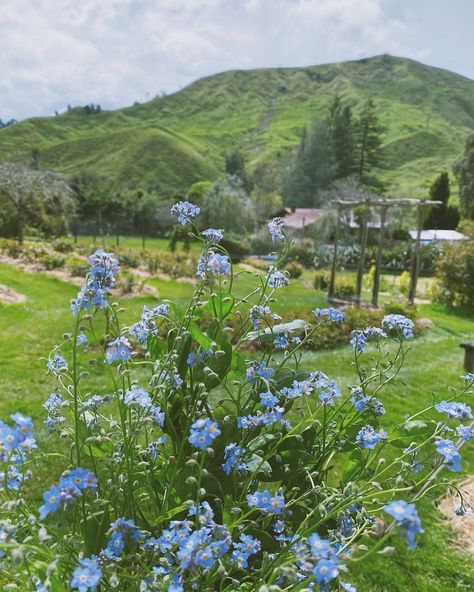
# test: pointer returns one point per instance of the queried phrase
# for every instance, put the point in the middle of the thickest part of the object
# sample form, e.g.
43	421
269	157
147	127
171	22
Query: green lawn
29	331
133	242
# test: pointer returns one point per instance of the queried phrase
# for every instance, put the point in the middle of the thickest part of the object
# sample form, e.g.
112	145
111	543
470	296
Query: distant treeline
7	123
338	157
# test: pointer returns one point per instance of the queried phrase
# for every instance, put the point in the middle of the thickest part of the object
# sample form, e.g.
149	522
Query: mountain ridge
172	141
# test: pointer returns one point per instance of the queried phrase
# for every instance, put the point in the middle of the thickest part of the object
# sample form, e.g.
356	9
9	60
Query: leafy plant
52	260
196	468
321	280
456	275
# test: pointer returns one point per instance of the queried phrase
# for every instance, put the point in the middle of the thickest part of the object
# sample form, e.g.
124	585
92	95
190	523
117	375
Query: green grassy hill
172	141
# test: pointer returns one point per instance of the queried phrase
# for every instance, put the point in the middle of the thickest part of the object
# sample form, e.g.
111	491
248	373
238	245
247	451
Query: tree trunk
20	226
332	281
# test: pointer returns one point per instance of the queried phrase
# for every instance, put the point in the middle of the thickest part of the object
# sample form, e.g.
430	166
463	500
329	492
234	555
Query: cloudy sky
115	52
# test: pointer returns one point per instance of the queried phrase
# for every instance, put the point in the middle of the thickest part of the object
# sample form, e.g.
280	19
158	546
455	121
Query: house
298	218
435	236
350	219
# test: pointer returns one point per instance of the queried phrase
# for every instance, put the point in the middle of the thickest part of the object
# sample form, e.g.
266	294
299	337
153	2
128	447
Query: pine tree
341	137
464	170
235	166
369	140
442	217
312	170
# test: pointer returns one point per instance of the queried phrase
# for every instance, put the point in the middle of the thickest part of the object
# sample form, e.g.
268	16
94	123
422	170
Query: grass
29	330
133	242
173	141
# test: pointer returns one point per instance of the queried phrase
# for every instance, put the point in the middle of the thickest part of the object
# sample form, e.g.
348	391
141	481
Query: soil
9	296
463	526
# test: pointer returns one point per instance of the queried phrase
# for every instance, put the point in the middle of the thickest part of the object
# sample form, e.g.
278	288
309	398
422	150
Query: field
29	331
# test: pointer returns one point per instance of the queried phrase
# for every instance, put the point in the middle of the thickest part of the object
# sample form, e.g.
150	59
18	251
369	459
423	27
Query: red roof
301	217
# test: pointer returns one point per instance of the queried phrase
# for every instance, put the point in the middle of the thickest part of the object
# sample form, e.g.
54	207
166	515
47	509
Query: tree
197	192
340	129
7	123
369	139
464	171
312	170
235	166
227	206
266	203
455	272
96	199
443	216
38	198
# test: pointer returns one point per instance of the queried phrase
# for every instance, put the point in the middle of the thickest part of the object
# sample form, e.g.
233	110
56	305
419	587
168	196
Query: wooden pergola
383	204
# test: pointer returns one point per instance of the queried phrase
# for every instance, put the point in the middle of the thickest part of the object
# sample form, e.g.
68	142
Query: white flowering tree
27	195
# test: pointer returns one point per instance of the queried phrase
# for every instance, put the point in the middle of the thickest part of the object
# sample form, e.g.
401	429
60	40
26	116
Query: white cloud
55	52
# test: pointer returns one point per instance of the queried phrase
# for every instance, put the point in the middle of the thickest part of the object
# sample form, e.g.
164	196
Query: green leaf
183	353
178	311
228	517
96	526
105	448
82	433
291	443
261	441
156	346
238	362
256	463
200	337
400	442
170	514
355	462
220	365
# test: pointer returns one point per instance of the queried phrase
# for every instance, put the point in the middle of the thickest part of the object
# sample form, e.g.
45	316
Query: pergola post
415	260
363	244
383	203
332	280
378	260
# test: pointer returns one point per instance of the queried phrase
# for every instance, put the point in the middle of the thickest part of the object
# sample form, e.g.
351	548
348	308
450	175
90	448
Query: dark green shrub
261	244
397	308
151	261
12	248
294	269
129	258
63	245
52	260
77	267
303	254
321	280
336	335
344	289
456	275
176	265
237	246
